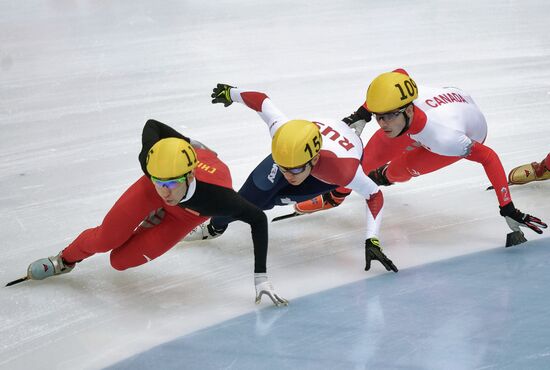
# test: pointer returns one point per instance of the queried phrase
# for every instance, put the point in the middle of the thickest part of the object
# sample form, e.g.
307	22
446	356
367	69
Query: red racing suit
209	194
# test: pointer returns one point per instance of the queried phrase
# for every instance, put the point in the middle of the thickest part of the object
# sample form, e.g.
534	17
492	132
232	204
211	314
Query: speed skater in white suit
422	130
307	159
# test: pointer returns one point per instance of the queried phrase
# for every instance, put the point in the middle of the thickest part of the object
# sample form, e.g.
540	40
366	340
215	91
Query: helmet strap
407	124
186	190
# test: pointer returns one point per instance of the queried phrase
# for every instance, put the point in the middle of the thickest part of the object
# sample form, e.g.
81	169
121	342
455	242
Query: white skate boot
46	267
204	231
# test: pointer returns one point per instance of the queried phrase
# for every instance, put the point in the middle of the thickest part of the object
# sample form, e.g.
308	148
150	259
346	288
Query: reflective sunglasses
389	116
169	183
295	170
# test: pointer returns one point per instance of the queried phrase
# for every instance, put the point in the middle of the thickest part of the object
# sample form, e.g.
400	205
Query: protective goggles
169	183
294	170
389	116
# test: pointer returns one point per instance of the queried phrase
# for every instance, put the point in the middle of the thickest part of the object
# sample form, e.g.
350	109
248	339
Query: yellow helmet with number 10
171	158
295	143
390	91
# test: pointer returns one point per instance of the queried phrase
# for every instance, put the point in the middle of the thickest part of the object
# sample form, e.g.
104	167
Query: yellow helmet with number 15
390	91
295	143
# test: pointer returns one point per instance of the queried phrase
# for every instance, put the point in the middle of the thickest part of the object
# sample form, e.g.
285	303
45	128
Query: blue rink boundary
480	311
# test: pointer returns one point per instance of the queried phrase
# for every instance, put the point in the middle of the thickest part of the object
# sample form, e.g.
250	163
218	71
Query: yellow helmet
295	143
390	91
171	158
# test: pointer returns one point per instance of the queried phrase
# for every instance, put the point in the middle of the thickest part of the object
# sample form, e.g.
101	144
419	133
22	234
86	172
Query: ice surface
80	78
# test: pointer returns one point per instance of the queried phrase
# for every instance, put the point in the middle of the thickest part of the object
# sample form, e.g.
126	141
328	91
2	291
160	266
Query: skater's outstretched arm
258	101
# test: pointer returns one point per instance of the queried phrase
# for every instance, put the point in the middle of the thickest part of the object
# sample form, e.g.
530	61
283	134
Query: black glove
359	114
358	119
220	94
515	218
374	252
153	219
379	176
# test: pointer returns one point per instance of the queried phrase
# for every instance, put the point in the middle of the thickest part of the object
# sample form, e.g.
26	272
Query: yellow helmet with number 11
171	158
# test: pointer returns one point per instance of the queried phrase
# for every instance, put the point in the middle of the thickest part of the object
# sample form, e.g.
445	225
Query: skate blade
515	238
492	188
290	215
18	281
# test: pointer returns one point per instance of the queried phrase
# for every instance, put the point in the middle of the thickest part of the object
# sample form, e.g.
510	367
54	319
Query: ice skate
46	267
320	203
529	172
204	231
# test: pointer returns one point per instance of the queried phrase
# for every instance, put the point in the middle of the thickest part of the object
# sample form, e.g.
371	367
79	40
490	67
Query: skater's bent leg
150	243
415	163
119	223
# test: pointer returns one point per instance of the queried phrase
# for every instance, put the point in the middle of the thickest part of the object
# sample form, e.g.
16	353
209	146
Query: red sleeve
254	100
493	168
335	170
